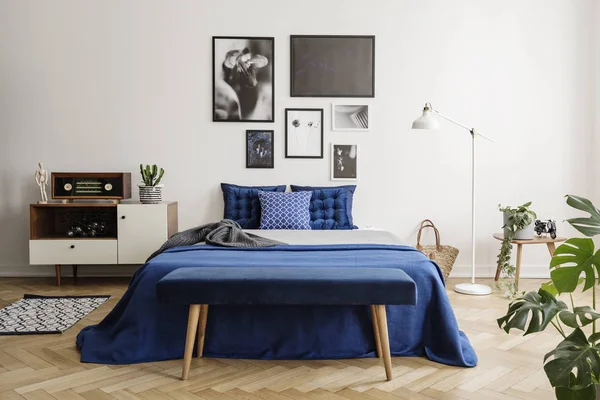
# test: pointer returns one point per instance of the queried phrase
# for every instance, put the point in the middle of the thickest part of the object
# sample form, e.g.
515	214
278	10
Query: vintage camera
545	227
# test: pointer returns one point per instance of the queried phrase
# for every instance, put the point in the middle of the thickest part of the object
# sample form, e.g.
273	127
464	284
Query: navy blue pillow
330	206
241	203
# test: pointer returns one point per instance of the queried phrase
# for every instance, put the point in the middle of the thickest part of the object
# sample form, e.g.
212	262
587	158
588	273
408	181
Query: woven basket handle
428	224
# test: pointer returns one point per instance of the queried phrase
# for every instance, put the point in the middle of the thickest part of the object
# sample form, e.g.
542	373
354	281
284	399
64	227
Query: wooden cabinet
125	233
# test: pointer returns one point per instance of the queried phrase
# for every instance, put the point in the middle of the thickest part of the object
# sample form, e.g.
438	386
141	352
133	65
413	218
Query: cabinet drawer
83	251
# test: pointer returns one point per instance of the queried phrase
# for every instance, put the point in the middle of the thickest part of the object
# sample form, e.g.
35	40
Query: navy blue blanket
139	329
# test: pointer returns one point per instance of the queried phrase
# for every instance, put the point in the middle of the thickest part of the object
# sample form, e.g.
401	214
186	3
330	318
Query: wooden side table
548	241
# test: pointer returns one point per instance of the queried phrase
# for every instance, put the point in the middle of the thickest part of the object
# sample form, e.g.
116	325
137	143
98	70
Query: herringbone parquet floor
47	367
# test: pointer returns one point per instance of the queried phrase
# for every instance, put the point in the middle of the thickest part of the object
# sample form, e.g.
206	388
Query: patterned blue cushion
284	210
241	203
330	206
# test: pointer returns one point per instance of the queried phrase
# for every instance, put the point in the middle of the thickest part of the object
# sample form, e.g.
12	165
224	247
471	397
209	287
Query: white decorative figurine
41	178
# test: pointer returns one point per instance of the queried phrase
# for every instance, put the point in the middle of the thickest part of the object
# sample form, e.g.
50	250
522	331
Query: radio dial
108	187
68	187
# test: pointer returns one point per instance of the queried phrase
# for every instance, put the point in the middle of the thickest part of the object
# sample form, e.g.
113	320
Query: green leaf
570	260
586	315
588	226
550	288
565	393
538	308
574	364
594	337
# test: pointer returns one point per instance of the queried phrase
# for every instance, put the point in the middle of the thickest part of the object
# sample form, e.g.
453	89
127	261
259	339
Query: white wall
105	85
596	82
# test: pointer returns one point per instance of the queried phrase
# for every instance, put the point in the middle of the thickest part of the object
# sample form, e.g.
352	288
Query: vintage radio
91	185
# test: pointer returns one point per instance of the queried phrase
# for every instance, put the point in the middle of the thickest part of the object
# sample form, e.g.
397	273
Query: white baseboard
92	271
489	271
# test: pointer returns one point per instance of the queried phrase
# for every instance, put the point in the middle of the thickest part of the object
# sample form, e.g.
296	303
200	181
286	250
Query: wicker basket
444	256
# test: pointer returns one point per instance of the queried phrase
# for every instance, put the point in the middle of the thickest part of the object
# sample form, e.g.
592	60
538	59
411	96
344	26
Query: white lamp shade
426	121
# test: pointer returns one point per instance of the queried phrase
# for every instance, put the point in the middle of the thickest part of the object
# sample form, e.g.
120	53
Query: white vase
150	194
521	234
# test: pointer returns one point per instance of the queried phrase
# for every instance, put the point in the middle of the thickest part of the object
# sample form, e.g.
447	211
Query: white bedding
356	236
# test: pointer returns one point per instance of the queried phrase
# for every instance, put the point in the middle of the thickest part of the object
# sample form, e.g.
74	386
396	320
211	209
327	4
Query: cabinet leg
57	266
75	273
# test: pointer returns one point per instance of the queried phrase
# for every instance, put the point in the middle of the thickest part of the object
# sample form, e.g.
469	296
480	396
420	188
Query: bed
139	329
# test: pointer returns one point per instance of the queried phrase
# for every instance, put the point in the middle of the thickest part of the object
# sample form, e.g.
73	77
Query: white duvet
356	236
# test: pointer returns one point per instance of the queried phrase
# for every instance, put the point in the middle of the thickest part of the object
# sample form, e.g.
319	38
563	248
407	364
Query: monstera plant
573	368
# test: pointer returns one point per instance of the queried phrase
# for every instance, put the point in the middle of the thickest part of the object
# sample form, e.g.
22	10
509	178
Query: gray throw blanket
226	233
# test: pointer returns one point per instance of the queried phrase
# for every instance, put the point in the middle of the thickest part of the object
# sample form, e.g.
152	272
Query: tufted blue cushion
330	206
284	210
241	203
287	285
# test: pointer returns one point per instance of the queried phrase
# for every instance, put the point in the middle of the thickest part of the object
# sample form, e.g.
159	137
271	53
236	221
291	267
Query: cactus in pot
150	187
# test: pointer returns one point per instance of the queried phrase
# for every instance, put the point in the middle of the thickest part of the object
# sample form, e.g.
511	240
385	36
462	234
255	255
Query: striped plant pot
150	194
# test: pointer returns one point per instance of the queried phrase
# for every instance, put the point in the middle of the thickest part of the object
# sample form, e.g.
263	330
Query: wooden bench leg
202	328
190	338
385	341
376	331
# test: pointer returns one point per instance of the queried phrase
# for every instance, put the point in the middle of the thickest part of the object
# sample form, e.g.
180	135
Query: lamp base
473	289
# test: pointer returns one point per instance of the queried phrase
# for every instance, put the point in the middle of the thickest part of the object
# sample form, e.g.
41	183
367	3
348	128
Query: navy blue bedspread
139	329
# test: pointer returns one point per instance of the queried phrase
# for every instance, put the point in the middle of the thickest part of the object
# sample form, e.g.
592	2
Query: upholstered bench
199	287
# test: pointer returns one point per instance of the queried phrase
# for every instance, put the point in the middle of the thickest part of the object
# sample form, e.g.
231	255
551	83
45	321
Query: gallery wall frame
243	79
350	117
304	134
344	162
332	66
260	148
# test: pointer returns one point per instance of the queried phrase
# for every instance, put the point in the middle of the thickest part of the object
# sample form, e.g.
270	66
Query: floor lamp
429	121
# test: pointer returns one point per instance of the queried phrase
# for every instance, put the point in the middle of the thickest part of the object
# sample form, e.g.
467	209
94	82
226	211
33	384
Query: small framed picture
344	162
243	79
303	133
259	149
350	117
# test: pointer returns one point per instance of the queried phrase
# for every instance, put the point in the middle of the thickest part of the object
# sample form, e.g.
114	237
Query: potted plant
518	224
150	187
573	368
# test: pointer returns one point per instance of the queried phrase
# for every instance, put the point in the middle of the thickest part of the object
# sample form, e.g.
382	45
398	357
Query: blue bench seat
200	287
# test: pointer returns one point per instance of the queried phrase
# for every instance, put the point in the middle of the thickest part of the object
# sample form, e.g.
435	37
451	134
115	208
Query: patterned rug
46	314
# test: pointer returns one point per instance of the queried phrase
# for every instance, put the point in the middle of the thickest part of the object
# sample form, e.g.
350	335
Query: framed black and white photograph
350	117
344	162
332	66
243	79
303	133
259	149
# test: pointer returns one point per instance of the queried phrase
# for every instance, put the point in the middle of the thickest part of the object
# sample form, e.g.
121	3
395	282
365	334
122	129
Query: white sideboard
134	232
